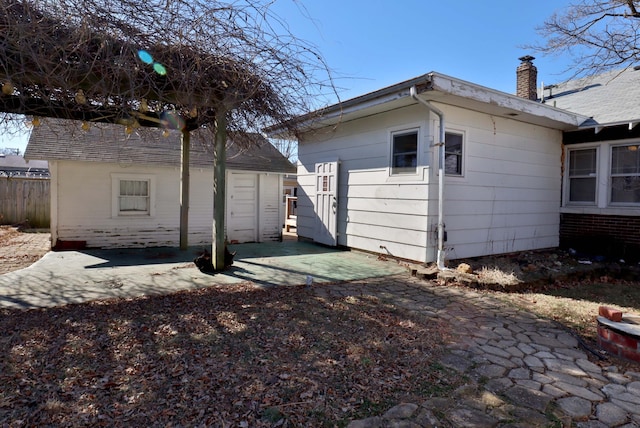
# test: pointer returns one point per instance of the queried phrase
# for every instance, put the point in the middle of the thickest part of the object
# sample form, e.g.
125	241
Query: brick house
600	210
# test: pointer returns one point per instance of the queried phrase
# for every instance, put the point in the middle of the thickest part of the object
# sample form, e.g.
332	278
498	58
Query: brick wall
605	235
618	343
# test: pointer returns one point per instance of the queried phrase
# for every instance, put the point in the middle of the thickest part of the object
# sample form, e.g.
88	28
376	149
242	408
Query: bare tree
288	148
182	64
598	35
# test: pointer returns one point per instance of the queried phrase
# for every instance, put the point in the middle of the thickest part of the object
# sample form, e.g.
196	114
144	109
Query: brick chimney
527	78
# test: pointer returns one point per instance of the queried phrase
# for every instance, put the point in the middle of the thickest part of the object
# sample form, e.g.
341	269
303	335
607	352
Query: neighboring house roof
609	98
445	89
17	166
61	140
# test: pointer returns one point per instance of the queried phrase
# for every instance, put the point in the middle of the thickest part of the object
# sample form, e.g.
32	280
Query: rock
401	411
464	268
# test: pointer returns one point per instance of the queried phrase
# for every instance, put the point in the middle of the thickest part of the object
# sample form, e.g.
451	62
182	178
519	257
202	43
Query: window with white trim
404	152
625	174
133	195
453	145
583	175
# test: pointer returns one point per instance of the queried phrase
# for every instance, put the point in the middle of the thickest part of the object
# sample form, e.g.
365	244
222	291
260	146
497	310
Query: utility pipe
440	144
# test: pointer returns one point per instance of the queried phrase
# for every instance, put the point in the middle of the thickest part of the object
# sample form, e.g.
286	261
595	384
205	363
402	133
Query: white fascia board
463	89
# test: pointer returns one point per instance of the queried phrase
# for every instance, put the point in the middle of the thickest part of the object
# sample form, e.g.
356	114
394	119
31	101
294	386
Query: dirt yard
19	249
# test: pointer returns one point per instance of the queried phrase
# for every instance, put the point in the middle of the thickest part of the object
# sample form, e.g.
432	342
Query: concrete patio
61	278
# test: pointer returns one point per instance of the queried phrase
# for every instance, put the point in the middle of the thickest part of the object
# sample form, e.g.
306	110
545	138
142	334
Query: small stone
426	418
401	411
578	391
498	385
526	397
634	387
490	371
553	391
613	389
575	407
375	422
519	374
471	418
611	414
464	268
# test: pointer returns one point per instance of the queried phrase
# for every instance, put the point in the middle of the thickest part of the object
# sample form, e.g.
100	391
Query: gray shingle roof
65	140
17	166
608	98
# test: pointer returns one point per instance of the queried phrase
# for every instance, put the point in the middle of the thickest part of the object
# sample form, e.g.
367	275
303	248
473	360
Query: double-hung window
132	195
404	152
583	175
625	174
453	153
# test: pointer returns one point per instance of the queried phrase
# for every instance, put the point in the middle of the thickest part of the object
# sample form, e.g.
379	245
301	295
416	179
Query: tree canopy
168	63
598	35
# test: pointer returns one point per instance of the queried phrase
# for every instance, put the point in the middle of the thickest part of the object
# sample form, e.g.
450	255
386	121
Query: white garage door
242	211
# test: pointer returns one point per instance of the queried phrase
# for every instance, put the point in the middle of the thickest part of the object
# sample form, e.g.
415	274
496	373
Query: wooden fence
25	200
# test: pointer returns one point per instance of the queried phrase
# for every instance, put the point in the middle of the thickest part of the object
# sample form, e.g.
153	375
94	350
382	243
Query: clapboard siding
374	209
506	200
84	197
509	195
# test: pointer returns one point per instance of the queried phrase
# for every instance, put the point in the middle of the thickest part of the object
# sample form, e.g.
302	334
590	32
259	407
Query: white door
242	212
326	231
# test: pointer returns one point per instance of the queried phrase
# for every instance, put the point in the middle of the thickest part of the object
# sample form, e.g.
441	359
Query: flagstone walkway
524	371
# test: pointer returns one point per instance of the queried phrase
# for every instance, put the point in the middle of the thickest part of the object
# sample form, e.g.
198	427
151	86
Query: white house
370	178
110	189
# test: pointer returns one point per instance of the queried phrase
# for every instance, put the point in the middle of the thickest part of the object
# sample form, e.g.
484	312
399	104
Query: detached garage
110	189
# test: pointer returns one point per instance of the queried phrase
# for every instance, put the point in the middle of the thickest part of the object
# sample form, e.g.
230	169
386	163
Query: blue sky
376	43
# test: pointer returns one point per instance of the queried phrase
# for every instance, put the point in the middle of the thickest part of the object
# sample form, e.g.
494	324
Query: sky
371	44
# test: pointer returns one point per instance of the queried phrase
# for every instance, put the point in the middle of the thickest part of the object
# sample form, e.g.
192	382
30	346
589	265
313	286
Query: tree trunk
219	170
184	190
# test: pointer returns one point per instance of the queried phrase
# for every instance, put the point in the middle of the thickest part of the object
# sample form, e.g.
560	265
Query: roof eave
448	90
515	107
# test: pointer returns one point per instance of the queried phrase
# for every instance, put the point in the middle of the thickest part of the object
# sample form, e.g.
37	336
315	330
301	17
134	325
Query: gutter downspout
440	144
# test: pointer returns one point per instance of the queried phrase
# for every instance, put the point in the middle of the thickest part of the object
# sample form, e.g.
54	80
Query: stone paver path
525	371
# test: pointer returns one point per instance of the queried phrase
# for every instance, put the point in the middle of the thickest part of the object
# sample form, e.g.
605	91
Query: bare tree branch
170	63
598	35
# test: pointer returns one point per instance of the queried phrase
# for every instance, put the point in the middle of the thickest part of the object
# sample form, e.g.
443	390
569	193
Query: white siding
83	207
507	199
376	212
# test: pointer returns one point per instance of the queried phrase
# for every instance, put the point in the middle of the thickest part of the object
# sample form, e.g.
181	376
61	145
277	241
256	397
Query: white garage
113	190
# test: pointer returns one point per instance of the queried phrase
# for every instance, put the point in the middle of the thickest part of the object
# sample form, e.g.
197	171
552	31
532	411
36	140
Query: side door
242	208
326	203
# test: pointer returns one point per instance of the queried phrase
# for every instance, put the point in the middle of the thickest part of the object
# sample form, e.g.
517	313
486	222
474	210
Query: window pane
134	196
582	189
404	157
582	162
625	160
453	154
625	189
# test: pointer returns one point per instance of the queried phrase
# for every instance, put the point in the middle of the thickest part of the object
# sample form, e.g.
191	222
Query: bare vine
156	63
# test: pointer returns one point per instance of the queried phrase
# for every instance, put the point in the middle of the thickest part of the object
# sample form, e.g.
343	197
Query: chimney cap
526	58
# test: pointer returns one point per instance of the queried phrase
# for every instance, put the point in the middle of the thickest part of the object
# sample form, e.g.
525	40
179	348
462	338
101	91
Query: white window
404	152
133	195
453	144
625	174
583	175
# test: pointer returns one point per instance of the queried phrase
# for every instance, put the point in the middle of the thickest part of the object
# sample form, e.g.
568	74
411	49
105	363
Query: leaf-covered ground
229	356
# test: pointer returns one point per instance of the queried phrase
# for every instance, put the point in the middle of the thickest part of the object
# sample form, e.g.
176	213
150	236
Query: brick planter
620	338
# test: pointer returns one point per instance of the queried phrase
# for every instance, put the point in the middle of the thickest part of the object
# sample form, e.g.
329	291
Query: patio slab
61	278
